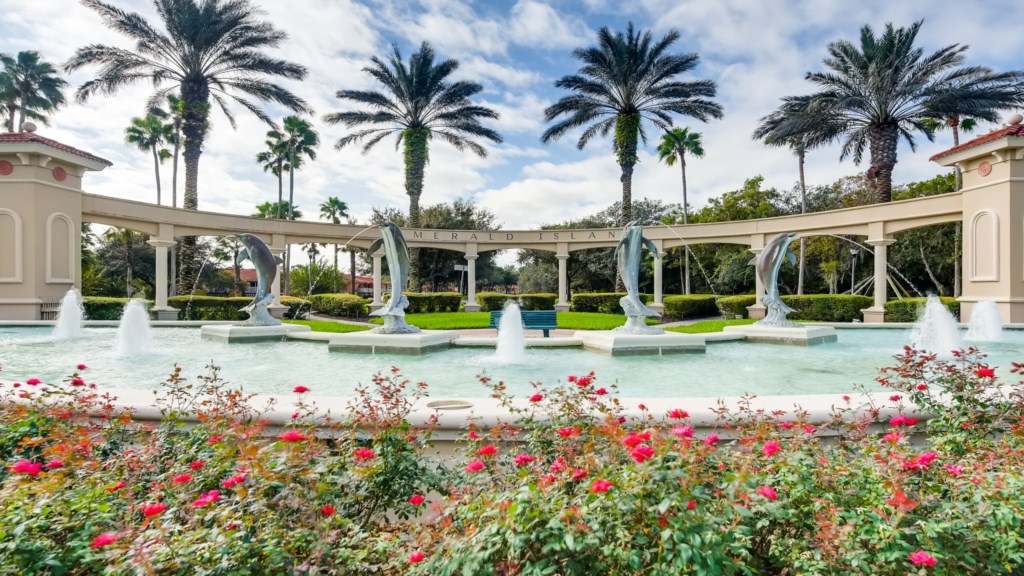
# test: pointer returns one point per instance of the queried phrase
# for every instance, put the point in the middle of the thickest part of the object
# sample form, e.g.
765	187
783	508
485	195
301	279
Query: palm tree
270	210
35	86
300	141
885	89
419	103
625	79
675	143
955	123
175	114
334	210
208	50
229	249
273	160
149	134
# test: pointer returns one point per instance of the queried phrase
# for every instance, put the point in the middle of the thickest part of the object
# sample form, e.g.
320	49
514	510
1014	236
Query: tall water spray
133	333
936	329
69	318
986	323
511	340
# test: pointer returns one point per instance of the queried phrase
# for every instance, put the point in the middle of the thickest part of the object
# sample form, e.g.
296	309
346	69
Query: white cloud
537	24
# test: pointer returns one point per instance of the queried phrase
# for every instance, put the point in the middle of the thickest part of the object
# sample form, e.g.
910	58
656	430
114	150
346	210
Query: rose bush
567	485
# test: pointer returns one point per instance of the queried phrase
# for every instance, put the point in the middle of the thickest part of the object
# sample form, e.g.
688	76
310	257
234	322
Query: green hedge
420	302
690	306
105	308
216	308
815	307
490	301
906	310
339	304
732	306
603	302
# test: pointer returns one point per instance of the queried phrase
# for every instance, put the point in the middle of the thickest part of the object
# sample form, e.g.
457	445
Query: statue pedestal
370	343
799	335
235	334
163	314
619	344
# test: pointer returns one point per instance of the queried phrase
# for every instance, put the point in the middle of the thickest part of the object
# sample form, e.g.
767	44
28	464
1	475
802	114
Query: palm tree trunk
156	170
882	141
12	110
194	123
800	153
627	129
21	111
416	154
174	167
686	220
352	270
280	186
291	216
336	287
954	123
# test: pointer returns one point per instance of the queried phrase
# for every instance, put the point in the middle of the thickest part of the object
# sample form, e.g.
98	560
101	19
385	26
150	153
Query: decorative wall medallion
984	169
6	168
59	174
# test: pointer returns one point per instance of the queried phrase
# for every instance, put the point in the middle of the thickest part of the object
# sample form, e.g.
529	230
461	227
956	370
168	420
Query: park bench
545	320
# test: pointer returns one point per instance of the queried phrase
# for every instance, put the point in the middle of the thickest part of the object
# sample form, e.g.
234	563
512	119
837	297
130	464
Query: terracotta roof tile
1015	130
12	137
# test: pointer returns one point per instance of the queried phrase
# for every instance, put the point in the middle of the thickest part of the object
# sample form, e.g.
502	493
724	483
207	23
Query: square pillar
160	309
563	277
277	246
658	305
876	313
471	305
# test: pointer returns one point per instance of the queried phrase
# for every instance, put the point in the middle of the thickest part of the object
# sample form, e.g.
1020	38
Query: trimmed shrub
214	308
297	307
339	304
539	301
732	306
105	308
431	301
906	310
491	301
603	302
690	306
827	307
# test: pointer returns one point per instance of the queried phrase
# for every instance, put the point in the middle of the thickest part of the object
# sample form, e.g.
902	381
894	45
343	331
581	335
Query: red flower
473	435
642	406
82	366
768	492
921	461
922	558
922	387
846	398
120	484
77	382
892	437
785	425
690	505
895	397
571	378
292	436
151	510
578	474
583	381
678	413
181	479
902	420
363	454
416	499
197	465
985	373
683	431
300	389
327	510
523	459
416	556
711	439
233	480
475	466
567	432
637	438
27	467
809	429
536	398
214	439
558	465
770	448
105	539
954	469
487	450
600	486
206	498
33	381
601	391
641	453
54	464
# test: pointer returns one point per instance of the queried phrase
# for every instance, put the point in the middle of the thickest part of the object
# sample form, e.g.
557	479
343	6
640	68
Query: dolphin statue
628	256
396	252
257	252
767	265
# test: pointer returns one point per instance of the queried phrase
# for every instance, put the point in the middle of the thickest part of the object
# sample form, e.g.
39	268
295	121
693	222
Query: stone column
563	277
470	304
658	305
278	245
876	313
757	310
160	309
376	304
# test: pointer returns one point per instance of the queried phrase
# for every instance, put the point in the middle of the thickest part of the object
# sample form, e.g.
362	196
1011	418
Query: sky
756	52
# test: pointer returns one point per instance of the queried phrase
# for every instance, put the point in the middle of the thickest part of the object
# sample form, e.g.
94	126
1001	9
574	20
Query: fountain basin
233	333
417	343
799	335
619	344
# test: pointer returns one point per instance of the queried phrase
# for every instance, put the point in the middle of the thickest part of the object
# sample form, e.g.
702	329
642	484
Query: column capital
472	256
562	256
161	243
880	242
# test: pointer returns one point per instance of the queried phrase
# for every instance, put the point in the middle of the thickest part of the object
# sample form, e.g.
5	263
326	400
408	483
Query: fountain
133	333
986	322
936	329
511	347
69	318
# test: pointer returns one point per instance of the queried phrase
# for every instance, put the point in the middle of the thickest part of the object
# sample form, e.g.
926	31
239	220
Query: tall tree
229	249
625	79
419	102
208	50
300	142
31	87
149	134
272	209
675	143
334	210
885	89
273	160
173	115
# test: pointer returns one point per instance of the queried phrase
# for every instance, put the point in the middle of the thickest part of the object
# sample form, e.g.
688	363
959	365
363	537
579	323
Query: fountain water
936	329
511	341
133	334
986	323
69	318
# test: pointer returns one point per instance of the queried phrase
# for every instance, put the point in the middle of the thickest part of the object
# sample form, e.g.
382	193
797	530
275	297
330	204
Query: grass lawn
709	326
461	320
328	326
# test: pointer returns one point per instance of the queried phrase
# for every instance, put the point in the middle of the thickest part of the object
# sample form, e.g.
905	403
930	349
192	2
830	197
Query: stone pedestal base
657	307
756	311
873	315
617	344
233	334
163	314
370	343
277	311
470	306
801	335
562	307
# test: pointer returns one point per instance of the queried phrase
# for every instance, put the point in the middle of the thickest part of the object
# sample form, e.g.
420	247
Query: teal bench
545	320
